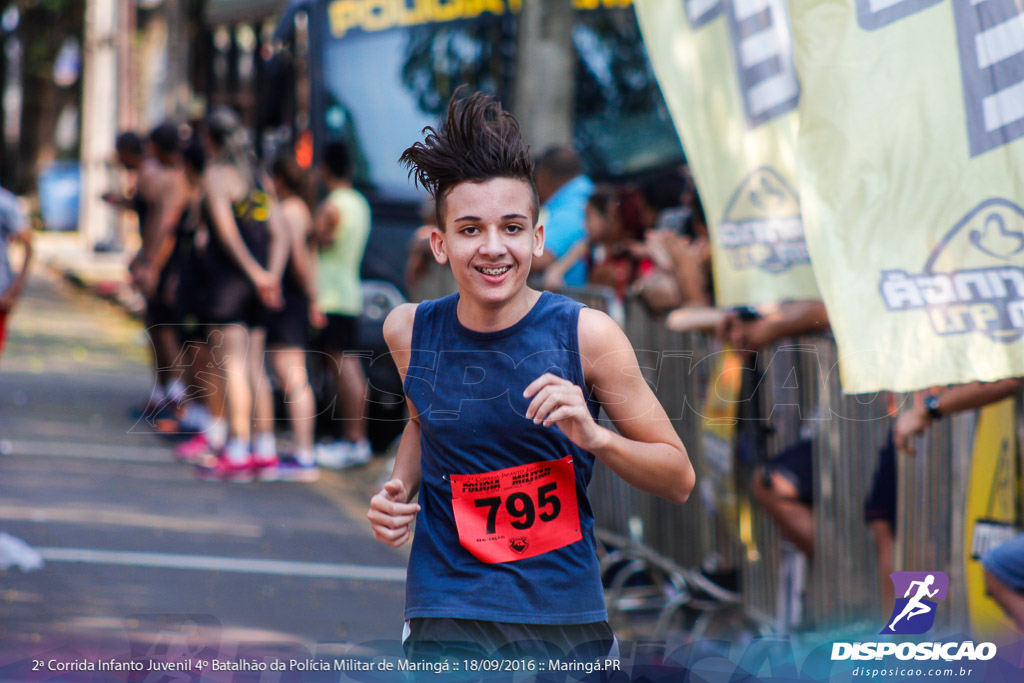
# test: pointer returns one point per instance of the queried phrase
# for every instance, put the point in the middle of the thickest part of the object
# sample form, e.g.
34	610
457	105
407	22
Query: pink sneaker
195	450
266	467
225	470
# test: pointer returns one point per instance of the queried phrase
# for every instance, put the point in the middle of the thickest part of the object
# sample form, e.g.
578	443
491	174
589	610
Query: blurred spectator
144	199
1004	578
425	278
611	251
153	269
244	258
341	228
13	228
880	507
784	486
288	328
667	201
681	250
563	191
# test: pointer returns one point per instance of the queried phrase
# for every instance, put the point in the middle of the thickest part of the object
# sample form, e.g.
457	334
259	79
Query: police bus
375	72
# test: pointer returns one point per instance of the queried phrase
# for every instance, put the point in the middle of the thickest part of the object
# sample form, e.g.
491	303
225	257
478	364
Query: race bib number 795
519	512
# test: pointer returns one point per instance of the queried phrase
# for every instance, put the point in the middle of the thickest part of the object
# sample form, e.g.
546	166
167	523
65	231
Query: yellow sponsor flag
911	156
725	68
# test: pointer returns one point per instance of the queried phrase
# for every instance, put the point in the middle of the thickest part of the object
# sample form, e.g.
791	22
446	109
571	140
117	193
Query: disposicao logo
974	279
913	613
762	227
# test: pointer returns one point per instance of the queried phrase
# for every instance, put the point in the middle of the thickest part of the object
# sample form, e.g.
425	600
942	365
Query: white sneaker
342	454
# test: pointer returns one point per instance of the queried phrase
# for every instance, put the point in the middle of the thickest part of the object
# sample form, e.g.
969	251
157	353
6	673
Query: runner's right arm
391	513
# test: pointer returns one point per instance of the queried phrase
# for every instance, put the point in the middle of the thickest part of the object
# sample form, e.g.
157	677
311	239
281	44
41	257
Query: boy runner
504	384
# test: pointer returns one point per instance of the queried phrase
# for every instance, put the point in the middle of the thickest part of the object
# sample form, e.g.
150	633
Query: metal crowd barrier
798	397
850	432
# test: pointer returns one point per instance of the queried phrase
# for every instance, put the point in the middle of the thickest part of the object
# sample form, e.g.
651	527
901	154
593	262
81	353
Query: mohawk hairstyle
477	141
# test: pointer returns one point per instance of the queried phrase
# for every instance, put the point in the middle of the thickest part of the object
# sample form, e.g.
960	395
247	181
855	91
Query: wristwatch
931	406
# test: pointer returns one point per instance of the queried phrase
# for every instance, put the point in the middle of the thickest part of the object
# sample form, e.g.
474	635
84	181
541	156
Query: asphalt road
138	553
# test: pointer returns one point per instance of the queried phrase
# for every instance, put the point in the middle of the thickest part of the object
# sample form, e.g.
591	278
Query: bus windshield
383	87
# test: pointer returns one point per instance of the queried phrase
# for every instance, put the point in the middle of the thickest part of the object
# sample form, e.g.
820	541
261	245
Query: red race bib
519	512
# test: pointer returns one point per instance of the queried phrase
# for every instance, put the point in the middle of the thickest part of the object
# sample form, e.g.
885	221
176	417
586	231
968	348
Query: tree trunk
545	73
42	30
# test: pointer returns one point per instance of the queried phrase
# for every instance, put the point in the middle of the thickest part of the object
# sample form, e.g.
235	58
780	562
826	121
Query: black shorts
796	465
290	326
159	311
232	300
437	638
339	335
880	504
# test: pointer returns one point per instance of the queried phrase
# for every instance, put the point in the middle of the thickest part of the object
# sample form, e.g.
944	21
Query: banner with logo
911	153
726	70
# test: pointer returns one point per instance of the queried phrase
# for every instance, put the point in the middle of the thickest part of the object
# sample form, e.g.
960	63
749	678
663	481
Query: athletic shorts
881	501
158	310
428	639
289	327
233	300
1006	563
339	334
796	465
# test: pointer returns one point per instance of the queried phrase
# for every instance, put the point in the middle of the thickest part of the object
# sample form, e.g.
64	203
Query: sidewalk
104	274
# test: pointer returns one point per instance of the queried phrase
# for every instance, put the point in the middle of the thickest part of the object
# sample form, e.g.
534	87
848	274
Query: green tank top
338	286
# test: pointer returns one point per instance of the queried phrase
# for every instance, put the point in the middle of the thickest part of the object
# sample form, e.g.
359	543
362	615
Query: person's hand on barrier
695	318
725	326
909	425
391	515
560	402
753	334
742	335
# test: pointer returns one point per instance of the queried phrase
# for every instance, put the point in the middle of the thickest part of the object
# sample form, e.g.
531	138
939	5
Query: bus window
381	87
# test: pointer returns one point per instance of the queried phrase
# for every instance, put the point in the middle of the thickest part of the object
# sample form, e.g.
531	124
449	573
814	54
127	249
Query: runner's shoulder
598	332
398	327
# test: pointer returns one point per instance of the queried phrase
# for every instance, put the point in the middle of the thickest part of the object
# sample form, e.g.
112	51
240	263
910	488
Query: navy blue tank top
468	389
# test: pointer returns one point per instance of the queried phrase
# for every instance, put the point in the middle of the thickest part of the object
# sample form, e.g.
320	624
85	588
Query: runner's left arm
646	451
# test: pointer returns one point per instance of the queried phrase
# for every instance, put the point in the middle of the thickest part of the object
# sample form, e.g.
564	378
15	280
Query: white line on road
63	449
319	570
91	516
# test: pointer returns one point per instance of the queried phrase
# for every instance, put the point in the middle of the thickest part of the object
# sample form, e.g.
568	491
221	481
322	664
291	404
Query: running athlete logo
914	613
762	227
974	280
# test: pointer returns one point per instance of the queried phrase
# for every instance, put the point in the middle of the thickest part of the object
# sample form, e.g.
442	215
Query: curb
118	293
